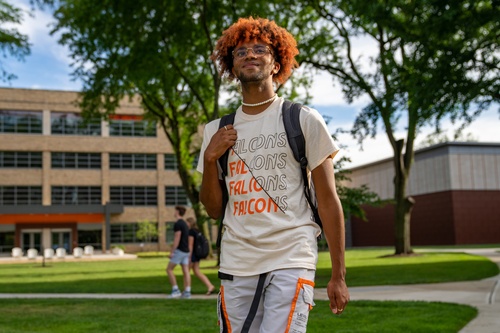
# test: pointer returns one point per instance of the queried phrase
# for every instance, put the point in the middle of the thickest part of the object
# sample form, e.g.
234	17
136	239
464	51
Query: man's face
253	61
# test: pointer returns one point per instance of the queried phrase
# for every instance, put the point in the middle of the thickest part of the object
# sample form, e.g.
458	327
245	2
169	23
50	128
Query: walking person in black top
195	261
179	255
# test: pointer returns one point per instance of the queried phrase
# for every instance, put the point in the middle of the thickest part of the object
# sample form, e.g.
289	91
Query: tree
159	51
12	42
147	230
433	60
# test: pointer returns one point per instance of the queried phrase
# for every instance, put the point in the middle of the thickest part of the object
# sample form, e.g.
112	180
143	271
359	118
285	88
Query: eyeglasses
258	50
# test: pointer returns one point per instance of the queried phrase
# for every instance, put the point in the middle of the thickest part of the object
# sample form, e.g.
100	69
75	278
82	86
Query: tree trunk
403	204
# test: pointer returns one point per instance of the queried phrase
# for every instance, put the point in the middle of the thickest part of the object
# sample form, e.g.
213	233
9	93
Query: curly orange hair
246	29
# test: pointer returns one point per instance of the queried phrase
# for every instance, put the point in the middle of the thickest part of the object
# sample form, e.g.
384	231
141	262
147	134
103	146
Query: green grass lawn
364	267
188	316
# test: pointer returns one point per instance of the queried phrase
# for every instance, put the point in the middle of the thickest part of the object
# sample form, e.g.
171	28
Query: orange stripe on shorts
224	310
300	284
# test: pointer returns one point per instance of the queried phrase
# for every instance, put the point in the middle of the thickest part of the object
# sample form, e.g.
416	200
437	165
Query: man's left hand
338	295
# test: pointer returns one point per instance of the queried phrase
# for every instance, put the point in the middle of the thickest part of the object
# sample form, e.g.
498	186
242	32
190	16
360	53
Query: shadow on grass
148	276
467	270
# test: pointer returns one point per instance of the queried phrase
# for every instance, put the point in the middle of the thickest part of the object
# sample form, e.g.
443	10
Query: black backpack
201	246
297	142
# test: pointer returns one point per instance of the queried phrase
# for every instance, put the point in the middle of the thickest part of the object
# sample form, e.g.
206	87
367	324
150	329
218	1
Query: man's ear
277	67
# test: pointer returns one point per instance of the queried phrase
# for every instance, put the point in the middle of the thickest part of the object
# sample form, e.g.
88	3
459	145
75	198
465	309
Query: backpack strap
297	142
225	120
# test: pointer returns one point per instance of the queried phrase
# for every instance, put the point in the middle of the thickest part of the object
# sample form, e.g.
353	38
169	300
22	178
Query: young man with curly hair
269	245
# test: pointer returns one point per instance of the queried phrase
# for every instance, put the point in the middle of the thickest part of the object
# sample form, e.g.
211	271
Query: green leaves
12	42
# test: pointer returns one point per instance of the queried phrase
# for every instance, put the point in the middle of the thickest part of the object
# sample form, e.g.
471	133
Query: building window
20	195
90	237
134	127
126	233
175	195
169	230
21	122
76	160
20	159
195	161
134	195
7	241
76	195
66	123
171	162
132	161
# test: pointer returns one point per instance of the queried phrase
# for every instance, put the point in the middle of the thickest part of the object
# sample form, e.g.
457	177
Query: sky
49	67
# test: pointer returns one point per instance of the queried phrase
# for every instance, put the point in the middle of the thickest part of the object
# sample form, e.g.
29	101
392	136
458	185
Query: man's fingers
337	305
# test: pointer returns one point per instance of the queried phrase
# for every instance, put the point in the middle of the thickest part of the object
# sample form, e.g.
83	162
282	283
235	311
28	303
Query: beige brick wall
23	177
54	100
132	178
134	214
78	177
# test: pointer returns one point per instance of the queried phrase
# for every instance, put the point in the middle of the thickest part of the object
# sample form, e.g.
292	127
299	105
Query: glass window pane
170	162
20	195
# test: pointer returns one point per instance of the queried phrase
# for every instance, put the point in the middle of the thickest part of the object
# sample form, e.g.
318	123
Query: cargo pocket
302	303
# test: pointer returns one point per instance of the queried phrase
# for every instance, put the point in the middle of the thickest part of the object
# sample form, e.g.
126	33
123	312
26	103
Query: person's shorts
284	306
180	258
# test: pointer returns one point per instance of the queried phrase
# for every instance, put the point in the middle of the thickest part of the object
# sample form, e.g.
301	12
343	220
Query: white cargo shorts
285	301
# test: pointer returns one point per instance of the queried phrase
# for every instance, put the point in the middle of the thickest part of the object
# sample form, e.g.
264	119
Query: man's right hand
221	141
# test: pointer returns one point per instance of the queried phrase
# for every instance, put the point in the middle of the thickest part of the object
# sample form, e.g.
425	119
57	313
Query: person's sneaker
175	294
186	294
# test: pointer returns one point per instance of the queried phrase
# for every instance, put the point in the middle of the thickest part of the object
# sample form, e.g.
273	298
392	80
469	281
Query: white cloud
374	150
37	27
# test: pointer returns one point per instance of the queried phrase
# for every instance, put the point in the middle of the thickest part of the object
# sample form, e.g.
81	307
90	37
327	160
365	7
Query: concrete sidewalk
483	294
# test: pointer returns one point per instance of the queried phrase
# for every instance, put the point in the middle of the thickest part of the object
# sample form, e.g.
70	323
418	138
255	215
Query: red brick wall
432	220
477	217
444	218
378	230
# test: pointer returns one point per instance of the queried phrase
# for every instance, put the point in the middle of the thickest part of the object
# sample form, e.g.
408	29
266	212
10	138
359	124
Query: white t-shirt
260	237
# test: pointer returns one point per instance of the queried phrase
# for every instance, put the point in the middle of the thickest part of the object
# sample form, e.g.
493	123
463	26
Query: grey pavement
483	295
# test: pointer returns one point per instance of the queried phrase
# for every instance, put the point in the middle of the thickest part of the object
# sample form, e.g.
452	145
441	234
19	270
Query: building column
46	125
46	162
162	209
46	167
106	228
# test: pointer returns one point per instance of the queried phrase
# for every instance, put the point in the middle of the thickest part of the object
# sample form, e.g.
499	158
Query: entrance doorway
31	239
44	238
61	238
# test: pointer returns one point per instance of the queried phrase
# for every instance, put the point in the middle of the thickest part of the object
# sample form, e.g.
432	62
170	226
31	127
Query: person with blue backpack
257	187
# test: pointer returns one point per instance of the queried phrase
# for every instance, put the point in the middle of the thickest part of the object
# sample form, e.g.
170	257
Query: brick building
65	182
457	191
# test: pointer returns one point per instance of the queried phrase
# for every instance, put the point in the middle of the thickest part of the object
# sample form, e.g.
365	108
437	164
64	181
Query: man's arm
330	211
211	191
177	240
